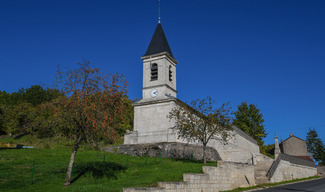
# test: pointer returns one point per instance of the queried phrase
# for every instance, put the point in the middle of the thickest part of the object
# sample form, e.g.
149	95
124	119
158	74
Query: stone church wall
240	147
152	124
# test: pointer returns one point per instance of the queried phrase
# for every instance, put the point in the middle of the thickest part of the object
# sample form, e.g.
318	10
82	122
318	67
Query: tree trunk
67	181
204	156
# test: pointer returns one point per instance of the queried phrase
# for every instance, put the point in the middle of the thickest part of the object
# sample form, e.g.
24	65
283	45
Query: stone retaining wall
166	150
226	176
321	171
287	167
288	171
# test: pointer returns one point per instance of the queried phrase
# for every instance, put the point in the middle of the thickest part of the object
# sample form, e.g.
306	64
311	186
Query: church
240	163
159	97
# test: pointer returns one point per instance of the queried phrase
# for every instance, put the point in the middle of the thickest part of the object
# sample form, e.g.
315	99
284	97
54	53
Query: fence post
104	164
127	161
31	178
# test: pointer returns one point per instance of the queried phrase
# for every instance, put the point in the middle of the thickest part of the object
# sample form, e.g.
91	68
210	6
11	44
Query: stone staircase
225	177
261	169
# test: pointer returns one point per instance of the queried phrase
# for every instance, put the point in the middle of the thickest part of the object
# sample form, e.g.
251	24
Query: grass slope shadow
98	170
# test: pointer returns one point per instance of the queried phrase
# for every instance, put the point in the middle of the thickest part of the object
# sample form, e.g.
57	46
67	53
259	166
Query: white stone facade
163	84
151	123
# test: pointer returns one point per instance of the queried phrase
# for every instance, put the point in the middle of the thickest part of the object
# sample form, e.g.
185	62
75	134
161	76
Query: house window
170	73
154	72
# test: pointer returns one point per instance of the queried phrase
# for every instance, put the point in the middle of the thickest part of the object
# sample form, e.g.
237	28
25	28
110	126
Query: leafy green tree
250	119
19	118
46	124
18	114
315	146
37	95
201	121
267	150
2	120
10	99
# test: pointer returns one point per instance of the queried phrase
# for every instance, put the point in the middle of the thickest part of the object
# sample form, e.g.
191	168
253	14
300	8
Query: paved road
317	185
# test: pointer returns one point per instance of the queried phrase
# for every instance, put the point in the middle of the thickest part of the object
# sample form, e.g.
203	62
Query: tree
267	150
47	124
19	118
315	146
36	95
2	127
250	119
127	118
91	105
202	121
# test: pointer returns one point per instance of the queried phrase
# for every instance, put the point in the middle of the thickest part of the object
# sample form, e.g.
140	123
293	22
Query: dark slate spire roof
158	43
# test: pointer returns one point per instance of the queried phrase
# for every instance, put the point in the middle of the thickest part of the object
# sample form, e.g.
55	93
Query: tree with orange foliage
91	105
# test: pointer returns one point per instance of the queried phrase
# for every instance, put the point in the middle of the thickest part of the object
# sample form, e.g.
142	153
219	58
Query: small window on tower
154	72
170	73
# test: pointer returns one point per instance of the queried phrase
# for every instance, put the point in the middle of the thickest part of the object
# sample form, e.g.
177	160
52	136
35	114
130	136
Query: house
294	146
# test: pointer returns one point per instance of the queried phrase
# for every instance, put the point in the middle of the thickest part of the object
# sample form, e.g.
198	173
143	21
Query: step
144	189
172	185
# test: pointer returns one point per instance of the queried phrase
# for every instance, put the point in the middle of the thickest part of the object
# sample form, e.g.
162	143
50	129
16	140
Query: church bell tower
151	122
159	69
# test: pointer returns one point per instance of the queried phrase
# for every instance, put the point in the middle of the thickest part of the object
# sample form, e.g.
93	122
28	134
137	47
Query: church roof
159	43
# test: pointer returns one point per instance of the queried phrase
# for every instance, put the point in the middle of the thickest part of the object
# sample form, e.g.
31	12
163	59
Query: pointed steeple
159	43
277	150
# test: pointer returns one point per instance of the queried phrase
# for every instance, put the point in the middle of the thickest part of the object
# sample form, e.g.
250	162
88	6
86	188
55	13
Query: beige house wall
295	147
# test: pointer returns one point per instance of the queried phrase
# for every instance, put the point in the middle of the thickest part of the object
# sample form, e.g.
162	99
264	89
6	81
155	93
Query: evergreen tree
315	146
250	119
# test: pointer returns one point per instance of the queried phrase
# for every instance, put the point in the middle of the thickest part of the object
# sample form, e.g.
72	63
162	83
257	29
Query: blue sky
269	53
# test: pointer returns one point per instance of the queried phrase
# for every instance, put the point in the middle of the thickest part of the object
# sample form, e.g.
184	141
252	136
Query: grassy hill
93	171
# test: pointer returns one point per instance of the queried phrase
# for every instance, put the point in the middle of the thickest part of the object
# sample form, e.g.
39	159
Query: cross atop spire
158	11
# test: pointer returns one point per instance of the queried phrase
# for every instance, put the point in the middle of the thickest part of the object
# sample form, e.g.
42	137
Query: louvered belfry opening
154	72
170	73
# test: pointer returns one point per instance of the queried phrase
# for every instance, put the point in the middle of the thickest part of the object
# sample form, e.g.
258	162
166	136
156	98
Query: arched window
170	73
154	72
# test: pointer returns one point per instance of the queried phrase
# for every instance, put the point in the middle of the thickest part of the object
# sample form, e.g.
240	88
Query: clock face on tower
154	93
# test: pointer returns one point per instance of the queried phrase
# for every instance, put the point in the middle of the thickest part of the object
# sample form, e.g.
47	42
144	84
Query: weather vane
158	11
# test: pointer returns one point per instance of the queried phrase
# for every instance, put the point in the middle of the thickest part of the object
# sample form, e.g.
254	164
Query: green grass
267	185
90	173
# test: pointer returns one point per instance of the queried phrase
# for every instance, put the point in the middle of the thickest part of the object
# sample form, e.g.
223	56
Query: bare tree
201	121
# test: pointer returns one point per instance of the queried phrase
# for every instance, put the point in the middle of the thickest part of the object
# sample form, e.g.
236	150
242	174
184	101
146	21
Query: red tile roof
305	158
